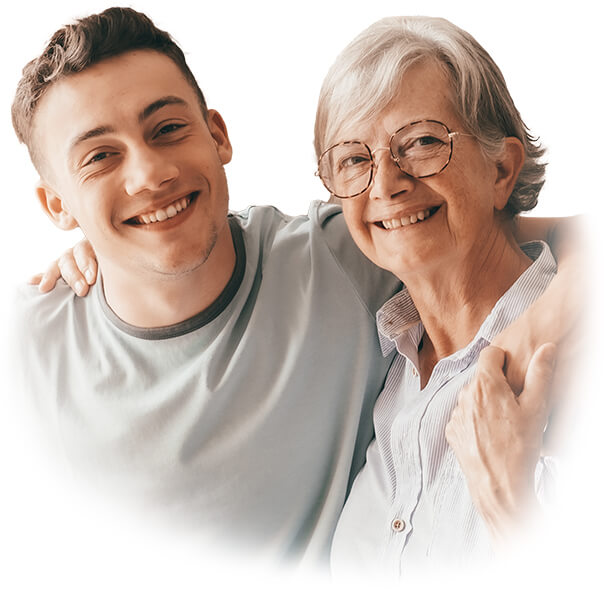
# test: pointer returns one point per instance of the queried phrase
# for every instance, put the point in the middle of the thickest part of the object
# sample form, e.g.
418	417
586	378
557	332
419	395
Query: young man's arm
497	428
553	316
549	319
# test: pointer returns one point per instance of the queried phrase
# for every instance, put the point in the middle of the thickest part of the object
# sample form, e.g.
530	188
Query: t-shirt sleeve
373	285
35	337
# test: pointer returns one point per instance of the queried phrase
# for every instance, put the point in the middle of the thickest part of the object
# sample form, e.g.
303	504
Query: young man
226	366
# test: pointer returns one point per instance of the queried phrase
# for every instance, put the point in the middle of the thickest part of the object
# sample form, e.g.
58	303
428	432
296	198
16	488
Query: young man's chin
181	264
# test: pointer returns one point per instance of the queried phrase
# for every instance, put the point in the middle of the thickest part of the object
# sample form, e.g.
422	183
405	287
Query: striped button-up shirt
410	505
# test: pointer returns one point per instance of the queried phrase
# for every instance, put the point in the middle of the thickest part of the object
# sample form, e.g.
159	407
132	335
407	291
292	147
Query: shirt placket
407	459
408	454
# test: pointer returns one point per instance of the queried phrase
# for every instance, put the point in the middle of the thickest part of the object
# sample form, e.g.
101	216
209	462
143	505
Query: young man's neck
155	300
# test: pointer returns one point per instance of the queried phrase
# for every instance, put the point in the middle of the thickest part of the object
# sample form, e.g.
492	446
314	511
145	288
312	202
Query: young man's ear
54	207
218	129
509	165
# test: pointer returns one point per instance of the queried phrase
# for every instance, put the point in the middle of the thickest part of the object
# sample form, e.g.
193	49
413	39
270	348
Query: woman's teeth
412	219
162	214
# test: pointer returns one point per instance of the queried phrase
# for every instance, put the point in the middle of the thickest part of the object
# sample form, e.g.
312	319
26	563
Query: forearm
553	316
563	235
506	517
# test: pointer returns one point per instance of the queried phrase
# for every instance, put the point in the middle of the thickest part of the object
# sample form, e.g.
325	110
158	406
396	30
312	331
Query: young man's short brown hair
88	41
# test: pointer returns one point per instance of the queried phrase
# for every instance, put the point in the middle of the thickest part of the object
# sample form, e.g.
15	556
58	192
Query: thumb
492	359
536	392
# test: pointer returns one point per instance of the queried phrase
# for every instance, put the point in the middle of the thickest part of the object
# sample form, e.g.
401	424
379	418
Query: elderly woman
417	134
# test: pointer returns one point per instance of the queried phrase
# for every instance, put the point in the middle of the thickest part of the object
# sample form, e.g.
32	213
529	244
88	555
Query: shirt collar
398	320
397	316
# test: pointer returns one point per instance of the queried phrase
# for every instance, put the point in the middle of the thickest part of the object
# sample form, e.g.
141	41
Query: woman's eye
419	146
352	161
427	141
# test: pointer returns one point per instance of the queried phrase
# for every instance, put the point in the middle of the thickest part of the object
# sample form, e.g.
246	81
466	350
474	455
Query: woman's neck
454	300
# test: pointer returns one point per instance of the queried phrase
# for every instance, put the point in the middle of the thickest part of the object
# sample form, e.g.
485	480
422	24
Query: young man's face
128	156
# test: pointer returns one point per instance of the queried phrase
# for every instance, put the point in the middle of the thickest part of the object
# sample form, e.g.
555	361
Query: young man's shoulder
323	228
319	241
35	312
264	219
28	296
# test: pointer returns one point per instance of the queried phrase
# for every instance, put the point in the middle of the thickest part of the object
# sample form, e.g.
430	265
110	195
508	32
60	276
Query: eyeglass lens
420	149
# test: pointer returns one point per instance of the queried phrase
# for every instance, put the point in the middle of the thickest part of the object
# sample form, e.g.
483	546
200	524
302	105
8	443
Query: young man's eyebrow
157	105
93	133
144	114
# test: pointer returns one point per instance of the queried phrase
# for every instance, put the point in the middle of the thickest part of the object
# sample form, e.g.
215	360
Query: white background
261	65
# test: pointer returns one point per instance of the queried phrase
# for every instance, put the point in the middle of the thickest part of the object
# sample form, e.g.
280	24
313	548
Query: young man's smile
135	162
158	215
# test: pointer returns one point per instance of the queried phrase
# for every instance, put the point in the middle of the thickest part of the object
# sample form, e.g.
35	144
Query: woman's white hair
366	76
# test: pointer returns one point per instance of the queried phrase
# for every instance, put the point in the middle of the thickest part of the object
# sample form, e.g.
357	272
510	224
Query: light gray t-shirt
245	424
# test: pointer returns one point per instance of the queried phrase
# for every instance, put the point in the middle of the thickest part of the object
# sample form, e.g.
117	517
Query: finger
489	377
85	260
492	360
49	278
465	396
451	432
537	392
454	427
72	274
35	280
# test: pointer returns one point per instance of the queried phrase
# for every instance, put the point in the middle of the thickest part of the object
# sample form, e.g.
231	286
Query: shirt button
398	525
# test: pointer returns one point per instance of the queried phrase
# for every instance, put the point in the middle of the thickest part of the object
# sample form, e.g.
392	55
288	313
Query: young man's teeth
398	222
163	214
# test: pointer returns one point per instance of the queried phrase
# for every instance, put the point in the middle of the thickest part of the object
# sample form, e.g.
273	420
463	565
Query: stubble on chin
192	262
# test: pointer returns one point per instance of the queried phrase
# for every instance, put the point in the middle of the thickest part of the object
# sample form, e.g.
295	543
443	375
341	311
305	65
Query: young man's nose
148	170
388	179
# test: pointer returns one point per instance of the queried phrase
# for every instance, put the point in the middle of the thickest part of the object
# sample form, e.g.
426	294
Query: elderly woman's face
454	211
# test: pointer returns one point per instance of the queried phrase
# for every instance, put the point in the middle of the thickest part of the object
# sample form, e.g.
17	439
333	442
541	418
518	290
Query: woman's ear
54	207
509	164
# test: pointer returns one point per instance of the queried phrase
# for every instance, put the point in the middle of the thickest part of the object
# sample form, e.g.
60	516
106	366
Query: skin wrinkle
491	403
142	171
455	266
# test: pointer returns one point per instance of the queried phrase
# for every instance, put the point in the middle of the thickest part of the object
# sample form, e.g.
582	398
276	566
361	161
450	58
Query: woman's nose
388	179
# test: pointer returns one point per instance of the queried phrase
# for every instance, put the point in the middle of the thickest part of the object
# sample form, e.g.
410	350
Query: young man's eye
98	157
169	129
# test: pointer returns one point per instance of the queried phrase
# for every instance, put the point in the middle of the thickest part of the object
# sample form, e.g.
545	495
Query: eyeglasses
420	149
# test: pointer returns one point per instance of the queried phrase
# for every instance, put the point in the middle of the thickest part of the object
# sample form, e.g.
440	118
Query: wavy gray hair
366	76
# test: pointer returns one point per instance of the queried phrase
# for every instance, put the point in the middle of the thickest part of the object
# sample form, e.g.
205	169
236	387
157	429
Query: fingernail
89	276
79	287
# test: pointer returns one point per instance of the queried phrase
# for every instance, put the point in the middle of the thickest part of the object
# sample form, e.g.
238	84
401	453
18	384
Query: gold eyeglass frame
371	153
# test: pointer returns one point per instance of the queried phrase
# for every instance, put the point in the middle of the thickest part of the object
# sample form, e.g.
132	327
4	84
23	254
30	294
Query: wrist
506	512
